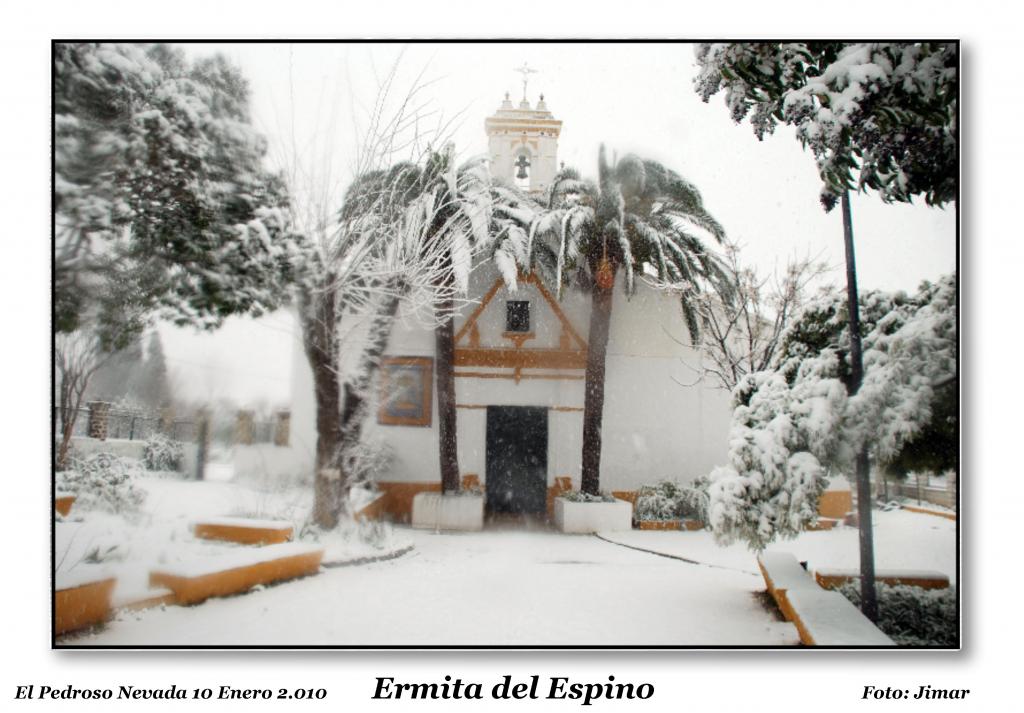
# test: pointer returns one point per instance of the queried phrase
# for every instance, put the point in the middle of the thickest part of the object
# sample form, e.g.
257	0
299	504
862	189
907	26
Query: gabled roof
571	352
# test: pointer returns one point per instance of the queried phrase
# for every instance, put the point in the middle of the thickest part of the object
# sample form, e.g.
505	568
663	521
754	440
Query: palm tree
639	218
458	201
446	221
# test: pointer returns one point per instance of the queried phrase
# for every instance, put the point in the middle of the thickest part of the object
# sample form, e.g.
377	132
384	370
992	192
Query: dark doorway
517	460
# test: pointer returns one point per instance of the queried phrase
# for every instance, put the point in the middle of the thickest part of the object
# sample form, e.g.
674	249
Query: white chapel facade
520	359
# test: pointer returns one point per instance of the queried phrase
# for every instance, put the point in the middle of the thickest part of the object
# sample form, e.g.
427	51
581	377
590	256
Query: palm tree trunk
593	402
868	597
444	347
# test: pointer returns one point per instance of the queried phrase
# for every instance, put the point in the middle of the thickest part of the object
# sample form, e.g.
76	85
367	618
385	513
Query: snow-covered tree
160	189
401	231
798	423
154	390
878	115
405	235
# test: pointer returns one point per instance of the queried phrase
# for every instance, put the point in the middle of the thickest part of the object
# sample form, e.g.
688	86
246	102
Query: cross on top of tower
526	71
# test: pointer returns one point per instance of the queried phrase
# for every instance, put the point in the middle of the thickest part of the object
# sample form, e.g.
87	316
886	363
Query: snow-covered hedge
103	482
912	616
162	453
657	502
576	496
667	500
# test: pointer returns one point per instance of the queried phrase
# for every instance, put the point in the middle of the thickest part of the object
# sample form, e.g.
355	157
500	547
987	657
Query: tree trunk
68	416
65	443
327	484
320	341
353	413
868	596
72	391
444	348
593	402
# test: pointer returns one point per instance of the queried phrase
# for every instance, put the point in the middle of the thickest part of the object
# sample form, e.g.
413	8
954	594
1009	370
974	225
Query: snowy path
903	540
490	588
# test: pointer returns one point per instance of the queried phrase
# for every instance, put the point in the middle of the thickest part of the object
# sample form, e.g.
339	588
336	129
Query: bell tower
523	141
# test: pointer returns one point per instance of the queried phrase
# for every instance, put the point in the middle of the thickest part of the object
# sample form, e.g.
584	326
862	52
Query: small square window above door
517	316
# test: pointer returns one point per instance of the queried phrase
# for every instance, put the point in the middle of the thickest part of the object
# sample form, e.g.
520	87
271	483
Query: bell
605	278
522	162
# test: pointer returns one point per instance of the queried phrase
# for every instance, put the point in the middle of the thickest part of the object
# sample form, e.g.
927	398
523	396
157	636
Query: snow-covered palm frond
568	188
505	260
462	259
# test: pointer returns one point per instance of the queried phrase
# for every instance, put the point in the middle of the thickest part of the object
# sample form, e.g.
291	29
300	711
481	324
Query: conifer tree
154	390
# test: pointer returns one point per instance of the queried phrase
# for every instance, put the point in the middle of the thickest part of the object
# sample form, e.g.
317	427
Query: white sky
634	98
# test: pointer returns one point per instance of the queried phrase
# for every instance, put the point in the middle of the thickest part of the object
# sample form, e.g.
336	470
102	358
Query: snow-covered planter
81	600
449	511
659	524
62	502
576	515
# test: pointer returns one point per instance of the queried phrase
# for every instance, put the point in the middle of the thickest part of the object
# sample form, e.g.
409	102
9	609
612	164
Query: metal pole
868	596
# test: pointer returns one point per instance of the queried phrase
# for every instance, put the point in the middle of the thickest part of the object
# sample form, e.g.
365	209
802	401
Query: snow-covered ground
497	587
903	540
161	533
488	588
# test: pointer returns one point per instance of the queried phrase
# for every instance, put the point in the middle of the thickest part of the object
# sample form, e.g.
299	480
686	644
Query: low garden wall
83	446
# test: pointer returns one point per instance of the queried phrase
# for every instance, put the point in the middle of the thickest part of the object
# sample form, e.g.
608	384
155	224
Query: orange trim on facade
518	339
569	409
557	310
471	322
398	497
517	377
518	358
551	301
521	358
